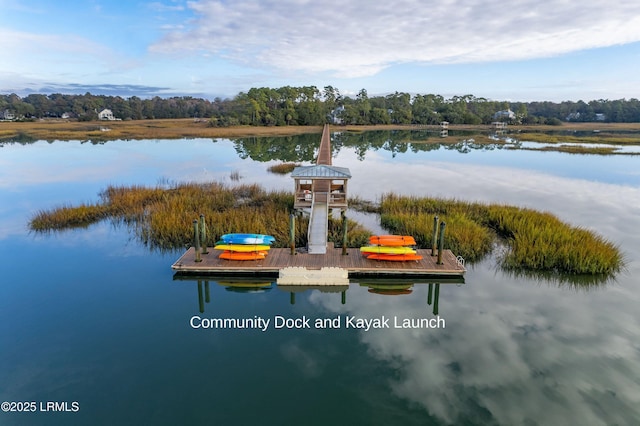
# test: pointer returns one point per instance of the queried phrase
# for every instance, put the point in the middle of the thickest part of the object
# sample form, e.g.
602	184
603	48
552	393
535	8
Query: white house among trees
106	114
7	115
504	115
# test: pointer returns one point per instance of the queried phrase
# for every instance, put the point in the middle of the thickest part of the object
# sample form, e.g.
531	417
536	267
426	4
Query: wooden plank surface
324	153
354	262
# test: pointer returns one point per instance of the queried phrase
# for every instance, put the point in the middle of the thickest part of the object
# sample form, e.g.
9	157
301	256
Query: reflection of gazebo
321	180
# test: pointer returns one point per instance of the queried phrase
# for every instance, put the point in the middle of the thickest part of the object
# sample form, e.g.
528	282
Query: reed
578	149
161	216
357	235
536	240
540	241
463	236
283	168
140	129
599	138
64	217
362	205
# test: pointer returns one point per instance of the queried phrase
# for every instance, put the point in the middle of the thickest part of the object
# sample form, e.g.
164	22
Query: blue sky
528	50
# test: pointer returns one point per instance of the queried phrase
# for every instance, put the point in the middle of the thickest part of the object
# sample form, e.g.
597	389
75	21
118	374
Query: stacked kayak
244	246
392	240
394	248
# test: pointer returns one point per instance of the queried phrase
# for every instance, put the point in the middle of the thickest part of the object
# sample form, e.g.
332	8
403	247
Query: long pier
318	220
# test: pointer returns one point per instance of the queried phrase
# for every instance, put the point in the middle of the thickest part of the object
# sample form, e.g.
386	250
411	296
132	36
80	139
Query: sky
529	50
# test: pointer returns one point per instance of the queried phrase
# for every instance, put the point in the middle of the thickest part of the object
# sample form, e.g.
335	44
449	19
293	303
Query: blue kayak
247	239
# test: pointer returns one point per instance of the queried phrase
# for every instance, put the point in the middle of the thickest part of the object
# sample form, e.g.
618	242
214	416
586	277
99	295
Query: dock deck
354	263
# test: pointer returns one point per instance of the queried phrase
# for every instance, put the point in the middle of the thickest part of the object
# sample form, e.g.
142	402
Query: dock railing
318	223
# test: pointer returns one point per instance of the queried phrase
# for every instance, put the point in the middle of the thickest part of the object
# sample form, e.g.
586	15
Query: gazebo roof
321	171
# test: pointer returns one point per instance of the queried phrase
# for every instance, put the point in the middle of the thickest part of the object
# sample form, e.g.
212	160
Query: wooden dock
320	263
354	263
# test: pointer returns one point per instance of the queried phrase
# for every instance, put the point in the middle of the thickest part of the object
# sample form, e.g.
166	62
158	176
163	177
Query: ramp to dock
318	224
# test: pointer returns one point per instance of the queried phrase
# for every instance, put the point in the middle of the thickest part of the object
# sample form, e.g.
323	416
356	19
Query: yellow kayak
242	247
387	250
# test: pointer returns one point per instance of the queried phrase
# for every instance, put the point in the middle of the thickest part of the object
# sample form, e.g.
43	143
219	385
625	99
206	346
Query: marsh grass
357	235
139	129
540	241
162	217
579	149
464	233
243	208
283	168
65	217
536	240
599	138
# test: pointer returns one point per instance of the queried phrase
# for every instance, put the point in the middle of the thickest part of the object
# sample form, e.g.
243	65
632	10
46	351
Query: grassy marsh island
536	241
283	168
162	216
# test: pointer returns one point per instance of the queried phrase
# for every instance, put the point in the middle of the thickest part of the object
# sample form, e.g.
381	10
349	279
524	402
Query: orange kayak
394	257
237	255
392	240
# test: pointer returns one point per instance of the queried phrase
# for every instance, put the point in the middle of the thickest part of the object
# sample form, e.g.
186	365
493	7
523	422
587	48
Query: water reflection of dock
383	287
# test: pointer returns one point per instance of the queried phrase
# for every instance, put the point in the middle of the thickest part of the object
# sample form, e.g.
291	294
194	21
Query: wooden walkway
354	262
317	232
324	153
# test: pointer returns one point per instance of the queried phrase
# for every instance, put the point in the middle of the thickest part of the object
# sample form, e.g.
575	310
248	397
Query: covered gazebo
322	180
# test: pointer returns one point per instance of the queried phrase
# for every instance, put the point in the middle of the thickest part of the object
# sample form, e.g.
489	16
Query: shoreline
189	128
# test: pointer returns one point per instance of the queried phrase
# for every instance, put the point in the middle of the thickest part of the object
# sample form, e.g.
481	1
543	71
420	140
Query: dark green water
93	317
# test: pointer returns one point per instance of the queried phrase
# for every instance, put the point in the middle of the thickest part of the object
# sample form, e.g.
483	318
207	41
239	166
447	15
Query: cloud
360	38
63	55
44	43
503	358
161	7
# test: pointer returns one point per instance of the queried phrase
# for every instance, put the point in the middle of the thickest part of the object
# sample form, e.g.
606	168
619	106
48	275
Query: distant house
600	117
504	115
7	115
106	114
336	115
574	116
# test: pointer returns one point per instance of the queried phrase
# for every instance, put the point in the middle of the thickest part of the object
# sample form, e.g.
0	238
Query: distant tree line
308	105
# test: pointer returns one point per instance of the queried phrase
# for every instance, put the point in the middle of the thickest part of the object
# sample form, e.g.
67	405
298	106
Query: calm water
90	316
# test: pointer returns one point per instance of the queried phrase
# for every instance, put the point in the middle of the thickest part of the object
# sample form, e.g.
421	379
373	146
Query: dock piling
436	299
203	234
196	242
344	232
292	233
441	243
434	239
